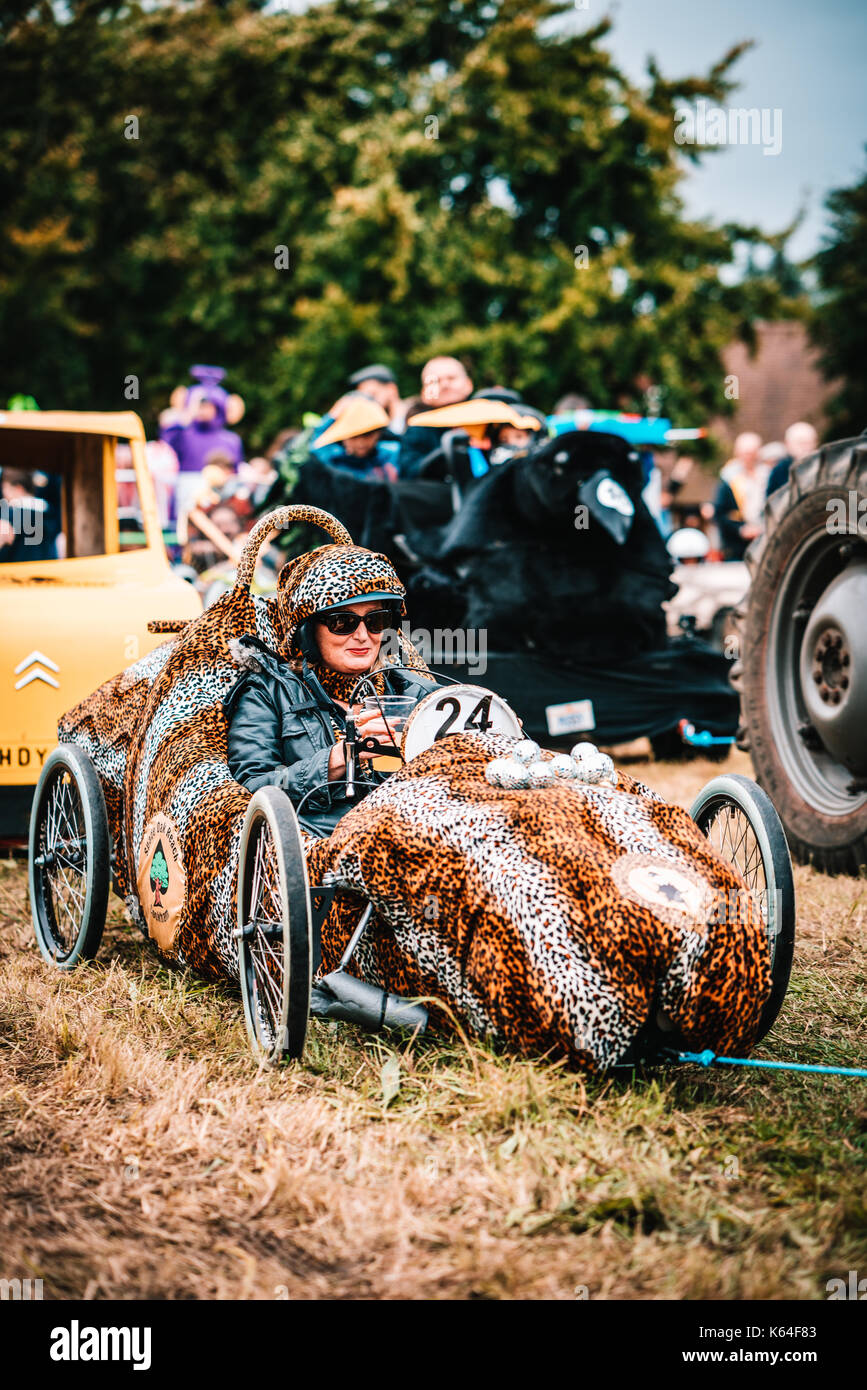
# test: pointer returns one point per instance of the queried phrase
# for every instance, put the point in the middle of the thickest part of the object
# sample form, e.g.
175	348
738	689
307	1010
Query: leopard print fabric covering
157	736
549	921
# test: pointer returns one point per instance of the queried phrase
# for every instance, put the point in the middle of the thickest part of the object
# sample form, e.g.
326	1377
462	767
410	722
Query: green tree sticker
159	874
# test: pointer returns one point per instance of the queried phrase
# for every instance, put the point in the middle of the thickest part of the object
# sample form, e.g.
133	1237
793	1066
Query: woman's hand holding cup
369	723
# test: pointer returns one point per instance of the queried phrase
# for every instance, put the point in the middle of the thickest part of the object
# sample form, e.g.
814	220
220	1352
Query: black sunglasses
344	621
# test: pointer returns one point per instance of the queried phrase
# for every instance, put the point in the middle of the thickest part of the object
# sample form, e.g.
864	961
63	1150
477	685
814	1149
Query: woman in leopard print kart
287	714
565	920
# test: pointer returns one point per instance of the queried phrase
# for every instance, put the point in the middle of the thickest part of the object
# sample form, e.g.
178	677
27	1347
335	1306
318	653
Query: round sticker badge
161	879
673	892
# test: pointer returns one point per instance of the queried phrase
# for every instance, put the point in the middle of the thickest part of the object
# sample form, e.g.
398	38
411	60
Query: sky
809	64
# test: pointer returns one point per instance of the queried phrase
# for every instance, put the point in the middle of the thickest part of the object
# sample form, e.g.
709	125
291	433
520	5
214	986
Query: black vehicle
546	576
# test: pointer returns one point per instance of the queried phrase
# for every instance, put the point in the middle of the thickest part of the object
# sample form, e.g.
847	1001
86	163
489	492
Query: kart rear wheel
740	821
275	948
69	858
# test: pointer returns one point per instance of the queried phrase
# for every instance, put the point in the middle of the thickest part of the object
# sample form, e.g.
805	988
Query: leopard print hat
327	577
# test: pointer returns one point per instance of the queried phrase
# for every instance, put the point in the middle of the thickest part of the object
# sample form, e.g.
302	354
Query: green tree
296	193
840	319
159	874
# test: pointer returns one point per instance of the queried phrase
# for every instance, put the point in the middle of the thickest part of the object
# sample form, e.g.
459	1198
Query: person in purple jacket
196	424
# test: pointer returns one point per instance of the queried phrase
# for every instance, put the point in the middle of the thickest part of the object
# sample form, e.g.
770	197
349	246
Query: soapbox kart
595	921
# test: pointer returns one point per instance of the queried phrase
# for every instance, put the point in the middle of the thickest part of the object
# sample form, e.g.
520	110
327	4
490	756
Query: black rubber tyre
740	821
69	865
275	949
804	714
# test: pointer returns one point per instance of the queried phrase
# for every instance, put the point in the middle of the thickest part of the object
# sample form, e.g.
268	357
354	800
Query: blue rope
703	738
707	1059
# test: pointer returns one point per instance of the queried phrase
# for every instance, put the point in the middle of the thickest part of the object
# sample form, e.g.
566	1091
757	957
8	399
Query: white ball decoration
592	769
514	775
599	768
494	771
540	774
526	751
609	775
519	770
506	773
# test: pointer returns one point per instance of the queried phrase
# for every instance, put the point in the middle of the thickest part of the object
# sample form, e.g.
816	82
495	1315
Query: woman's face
355	653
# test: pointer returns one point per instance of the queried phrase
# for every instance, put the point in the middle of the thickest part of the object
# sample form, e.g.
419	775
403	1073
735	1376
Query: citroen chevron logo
36	672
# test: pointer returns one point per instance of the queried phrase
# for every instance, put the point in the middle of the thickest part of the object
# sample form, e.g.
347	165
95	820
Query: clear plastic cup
395	708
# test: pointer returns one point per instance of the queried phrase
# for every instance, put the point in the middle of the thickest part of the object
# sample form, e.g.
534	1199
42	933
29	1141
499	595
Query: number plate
576	717
457	709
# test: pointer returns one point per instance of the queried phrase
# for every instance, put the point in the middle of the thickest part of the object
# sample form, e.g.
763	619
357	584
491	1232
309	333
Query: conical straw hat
359	416
470	414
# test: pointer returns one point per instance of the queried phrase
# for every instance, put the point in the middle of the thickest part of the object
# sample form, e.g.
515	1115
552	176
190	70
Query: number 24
477	719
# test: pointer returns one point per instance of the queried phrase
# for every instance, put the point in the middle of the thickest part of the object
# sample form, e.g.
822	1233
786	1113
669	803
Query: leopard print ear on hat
325	577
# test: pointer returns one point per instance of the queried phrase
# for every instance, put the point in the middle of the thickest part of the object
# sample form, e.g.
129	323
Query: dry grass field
143	1156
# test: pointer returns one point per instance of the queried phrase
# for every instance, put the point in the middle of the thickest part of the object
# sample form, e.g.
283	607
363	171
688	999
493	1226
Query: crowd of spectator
754	471
725	526
210	495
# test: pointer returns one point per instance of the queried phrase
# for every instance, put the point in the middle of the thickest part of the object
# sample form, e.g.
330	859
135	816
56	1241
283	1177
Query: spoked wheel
274	928
69	858
741	823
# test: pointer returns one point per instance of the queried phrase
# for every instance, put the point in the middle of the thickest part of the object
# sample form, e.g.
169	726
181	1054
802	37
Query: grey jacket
280	733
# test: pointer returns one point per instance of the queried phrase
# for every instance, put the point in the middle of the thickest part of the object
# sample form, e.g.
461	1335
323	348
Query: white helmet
689	543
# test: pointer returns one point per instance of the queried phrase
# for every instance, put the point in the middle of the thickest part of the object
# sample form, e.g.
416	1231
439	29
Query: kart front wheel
69	858
274	928
740	821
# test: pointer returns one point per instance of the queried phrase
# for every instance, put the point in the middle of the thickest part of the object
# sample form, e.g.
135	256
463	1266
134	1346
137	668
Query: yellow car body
69	624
